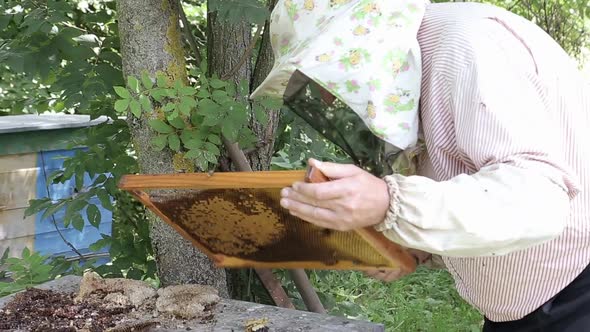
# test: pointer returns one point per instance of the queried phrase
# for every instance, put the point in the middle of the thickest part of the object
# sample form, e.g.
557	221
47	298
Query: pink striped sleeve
502	115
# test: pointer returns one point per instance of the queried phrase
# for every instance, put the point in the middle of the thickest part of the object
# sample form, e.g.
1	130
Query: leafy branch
193	121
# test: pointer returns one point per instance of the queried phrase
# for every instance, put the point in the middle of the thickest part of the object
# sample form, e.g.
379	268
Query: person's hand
353	199
393	275
386	275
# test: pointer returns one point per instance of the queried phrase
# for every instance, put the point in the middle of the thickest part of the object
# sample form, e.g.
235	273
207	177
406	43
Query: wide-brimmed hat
364	52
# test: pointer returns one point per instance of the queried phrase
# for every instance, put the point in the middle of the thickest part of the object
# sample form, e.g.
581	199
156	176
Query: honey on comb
249	224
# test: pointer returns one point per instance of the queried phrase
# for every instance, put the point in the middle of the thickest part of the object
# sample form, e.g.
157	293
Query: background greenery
63	56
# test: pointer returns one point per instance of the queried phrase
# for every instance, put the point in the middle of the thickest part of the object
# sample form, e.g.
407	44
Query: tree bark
266	132
151	40
226	44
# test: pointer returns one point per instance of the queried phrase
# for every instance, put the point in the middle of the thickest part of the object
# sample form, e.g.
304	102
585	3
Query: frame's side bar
223	180
390	250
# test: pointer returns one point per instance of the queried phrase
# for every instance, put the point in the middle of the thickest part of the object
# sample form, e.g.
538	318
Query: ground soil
45	310
38	310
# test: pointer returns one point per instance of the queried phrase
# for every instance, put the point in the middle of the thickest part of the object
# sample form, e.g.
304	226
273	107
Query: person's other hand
393	275
353	199
386	275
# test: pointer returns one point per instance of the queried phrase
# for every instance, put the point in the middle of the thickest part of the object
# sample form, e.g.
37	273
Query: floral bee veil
366	54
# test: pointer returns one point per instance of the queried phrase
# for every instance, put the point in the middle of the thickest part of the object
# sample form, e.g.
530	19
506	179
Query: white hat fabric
364	52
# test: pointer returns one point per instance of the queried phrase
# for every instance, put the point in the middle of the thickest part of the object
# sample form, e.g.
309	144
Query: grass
423	301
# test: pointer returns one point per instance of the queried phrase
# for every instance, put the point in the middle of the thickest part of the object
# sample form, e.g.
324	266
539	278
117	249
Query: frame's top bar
222	180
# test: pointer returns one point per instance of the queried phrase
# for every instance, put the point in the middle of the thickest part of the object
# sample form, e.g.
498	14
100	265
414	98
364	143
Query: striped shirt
474	52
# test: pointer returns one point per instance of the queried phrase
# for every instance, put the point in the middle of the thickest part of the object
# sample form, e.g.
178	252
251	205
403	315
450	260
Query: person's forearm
498	210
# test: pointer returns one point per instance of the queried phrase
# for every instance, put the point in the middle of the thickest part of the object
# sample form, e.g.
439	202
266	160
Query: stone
137	292
186	301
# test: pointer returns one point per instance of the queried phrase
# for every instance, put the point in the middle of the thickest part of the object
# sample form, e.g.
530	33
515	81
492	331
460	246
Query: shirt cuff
393	211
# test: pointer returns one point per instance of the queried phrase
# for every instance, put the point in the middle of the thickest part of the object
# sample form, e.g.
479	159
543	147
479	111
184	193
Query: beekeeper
500	111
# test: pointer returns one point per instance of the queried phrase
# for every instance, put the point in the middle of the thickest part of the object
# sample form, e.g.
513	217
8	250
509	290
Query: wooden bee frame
235	219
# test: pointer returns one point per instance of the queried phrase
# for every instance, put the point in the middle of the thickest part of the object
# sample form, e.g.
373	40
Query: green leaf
170	93
231	89
271	103
172	116
203	67
220	96
122	92
214	139
74	207
133	84
160	126
212	148
208	107
96	246
246	138
174	142
210	157
145	103
238	114
94	216
187	91
162	80
134	274
135	108
78	222
213	120
177	122
159	142
203	93
52	209
26	253
186	104
121	105
122	263
4	21
169	107
36	205
178	85
217	83
158	94
105	200
79	177
193	143
202	164
146	80
194	154
260	114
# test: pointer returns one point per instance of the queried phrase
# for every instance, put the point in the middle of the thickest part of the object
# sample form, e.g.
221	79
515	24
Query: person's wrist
392	205
384	200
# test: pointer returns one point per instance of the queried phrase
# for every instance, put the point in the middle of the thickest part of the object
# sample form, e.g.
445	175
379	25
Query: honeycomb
250	226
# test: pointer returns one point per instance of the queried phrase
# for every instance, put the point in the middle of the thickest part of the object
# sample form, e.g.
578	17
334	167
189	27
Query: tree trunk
266	132
226	44
151	40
